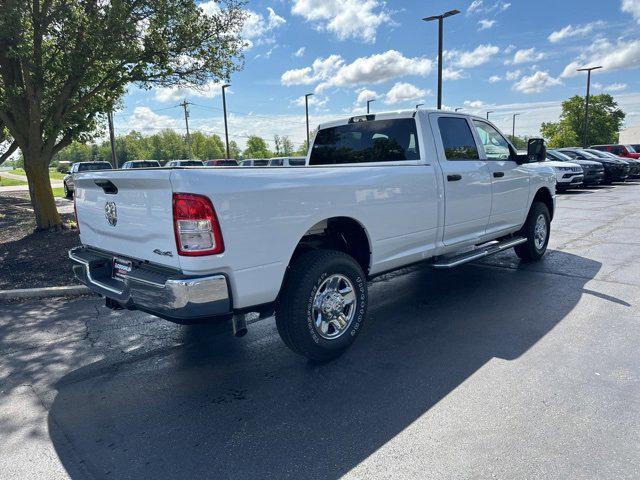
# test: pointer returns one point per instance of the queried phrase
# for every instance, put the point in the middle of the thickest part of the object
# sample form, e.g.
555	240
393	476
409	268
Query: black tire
530	251
67	194
295	310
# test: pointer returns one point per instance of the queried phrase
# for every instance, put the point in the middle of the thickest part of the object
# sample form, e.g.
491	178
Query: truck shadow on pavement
216	407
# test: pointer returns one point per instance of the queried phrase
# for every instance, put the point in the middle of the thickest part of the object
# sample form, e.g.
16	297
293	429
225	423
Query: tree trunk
42	200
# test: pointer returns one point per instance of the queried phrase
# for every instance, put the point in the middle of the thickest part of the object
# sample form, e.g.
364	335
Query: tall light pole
586	105
112	139
440	19
306	110
419	105
224	109
185	105
490	111
369	103
456	109
513	128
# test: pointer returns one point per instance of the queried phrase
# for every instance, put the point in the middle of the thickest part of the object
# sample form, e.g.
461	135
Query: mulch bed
30	259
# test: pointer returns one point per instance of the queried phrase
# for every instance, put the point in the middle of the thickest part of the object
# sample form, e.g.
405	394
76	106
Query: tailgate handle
107	186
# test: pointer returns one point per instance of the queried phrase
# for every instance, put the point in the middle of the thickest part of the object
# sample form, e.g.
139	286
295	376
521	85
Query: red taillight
196	225
75	212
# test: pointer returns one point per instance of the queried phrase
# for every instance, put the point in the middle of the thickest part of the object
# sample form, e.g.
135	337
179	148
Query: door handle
498	174
454	178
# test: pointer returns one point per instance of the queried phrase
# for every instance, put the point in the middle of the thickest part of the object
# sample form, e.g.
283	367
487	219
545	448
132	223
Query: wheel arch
544	195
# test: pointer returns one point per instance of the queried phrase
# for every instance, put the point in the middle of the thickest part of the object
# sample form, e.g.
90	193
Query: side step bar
480	252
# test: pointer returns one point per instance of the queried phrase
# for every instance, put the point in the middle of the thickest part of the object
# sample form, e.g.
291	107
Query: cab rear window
364	142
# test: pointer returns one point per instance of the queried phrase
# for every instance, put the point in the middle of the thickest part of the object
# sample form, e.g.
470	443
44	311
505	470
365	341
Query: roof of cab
393	114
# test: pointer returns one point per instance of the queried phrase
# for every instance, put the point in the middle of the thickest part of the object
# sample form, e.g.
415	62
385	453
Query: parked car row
600	164
69	186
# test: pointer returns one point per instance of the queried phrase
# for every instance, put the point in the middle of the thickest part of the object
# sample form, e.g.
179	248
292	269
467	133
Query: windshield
85	167
631	148
144	164
556	155
586	154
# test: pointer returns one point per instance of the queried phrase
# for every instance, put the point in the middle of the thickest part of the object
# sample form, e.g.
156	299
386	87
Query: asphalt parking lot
492	370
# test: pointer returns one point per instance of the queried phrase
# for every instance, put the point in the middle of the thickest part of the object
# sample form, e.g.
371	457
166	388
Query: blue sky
507	56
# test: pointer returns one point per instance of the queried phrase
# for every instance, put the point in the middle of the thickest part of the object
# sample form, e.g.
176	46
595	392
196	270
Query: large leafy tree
256	148
605	120
65	63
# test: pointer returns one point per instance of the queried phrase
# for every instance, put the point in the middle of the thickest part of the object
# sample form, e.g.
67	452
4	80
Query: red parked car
221	162
620	150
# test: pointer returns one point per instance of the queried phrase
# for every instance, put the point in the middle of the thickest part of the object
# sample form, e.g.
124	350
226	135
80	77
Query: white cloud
365	94
452	74
570	31
145	120
486	24
475	104
299	52
374	69
478	6
320	70
611	56
474	58
526	55
211	7
357	19
614	87
509	49
315	100
495	79
175	94
632	7
402	92
257	29
536	83
475	6
513	74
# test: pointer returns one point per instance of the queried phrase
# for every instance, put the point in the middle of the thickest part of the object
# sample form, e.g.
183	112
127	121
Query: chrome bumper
167	294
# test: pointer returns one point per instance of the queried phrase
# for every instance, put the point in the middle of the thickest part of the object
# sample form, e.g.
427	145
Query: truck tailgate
128	213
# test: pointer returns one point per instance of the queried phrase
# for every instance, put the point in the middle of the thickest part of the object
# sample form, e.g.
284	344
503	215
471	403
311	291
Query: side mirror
536	150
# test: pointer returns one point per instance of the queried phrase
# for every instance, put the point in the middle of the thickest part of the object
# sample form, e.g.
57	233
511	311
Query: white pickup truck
378	192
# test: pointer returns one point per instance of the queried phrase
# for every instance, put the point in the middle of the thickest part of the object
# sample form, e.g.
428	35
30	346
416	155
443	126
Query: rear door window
457	139
364	142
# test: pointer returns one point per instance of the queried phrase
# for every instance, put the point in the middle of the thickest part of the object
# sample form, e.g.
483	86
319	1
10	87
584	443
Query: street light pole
306	109
224	109
456	109
490	111
419	105
368	103
586	105
112	139
513	129
440	19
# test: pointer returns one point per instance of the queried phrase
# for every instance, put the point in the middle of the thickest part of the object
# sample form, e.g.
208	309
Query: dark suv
593	171
634	165
614	170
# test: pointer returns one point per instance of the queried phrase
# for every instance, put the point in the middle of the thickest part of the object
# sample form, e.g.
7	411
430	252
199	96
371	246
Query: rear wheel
536	230
323	304
67	193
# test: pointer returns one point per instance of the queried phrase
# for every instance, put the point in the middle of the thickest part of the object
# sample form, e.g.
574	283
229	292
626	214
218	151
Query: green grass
58	192
53	173
10	182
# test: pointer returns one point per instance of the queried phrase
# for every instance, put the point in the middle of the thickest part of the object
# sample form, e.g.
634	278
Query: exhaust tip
239	323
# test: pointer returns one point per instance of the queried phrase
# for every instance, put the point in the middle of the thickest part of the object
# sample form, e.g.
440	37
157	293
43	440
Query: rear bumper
165	293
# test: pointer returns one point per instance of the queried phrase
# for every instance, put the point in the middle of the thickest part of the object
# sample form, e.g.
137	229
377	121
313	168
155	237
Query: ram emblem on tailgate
111	213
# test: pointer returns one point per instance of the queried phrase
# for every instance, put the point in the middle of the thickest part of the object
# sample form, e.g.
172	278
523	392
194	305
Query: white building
629	135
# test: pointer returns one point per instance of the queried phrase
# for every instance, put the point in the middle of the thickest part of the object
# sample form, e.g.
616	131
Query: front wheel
67	193
323	304
536	230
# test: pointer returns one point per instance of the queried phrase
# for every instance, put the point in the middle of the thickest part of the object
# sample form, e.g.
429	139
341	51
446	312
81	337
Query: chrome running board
480	252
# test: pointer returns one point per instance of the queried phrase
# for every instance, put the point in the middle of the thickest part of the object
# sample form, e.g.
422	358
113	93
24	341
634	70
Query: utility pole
586	105
112	139
226	128
513	129
306	111
369	103
185	105
440	19
490	111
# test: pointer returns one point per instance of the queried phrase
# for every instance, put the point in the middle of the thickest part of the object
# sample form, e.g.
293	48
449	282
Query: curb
45	292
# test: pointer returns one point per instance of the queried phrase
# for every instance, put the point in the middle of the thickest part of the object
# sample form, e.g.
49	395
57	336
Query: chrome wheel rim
334	306
540	232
